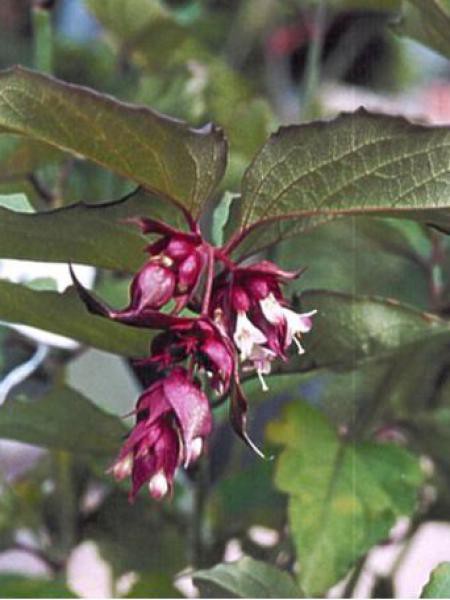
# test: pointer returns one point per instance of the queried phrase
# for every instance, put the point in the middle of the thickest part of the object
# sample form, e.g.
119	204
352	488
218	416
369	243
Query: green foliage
439	584
18	586
84	233
59	421
350	328
65	314
377	165
164	155
343	497
246	578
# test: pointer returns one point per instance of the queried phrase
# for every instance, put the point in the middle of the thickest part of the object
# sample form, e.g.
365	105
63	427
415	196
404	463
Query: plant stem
313	69
42	39
209	282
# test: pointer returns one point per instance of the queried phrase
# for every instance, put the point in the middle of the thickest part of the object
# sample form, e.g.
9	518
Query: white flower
296	323
262	359
246	335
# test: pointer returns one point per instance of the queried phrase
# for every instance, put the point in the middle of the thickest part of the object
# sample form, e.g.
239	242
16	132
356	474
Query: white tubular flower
262	359
296	323
247	336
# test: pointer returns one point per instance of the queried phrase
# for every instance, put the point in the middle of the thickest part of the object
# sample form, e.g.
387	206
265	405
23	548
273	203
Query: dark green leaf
62	420
164	155
19	586
343	497
66	315
439	584
246	578
83	233
358	163
348	329
427	21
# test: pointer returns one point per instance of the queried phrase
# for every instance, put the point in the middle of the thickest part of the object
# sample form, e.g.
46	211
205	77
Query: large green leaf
427	21
246	578
164	155
343	497
439	584
66	315
62	420
349	329
84	233
359	163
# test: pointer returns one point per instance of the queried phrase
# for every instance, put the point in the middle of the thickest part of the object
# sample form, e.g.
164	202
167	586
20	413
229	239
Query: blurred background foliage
372	373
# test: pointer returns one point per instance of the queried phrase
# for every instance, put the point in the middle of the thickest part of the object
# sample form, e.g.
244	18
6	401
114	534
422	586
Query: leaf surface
348	328
343	497
164	155
439	584
65	314
84	233
358	163
246	578
63	419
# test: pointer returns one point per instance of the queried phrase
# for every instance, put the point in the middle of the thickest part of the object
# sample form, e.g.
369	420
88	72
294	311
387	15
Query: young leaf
439	584
343	497
84	233
358	163
246	578
427	21
348	329
65	315
165	156
59	420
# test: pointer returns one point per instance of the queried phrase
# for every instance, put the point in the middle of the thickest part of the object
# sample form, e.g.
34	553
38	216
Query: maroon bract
240	313
172	420
255	313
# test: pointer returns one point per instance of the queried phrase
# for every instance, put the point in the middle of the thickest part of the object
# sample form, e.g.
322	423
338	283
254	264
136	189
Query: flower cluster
240	319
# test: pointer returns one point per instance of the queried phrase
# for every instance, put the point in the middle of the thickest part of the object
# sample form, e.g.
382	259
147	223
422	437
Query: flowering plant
189	315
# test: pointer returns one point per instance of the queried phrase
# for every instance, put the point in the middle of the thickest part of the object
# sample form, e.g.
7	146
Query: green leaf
427	21
19	586
383	257
439	584
164	155
220	217
348	329
246	578
359	163
84	233
62	420
343	497
66	315
21	156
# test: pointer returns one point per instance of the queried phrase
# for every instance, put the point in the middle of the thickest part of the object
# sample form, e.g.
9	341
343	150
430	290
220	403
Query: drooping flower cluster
240	319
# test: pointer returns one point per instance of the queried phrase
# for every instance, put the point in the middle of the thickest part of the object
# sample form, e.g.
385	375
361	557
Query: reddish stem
209	282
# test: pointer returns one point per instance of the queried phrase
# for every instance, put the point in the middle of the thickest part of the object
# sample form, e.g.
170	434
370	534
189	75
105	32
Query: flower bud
123	467
194	451
158	486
